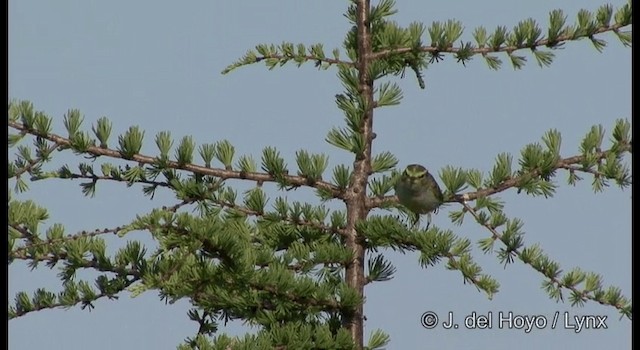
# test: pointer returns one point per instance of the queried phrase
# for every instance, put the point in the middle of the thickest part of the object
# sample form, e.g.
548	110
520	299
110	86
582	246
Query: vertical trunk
356	209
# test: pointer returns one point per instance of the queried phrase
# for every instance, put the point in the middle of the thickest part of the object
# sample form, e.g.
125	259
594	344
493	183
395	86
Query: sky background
157	64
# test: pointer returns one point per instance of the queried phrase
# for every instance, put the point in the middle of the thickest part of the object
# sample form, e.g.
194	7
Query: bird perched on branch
418	191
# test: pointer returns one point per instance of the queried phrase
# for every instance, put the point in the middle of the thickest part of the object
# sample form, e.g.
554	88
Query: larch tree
297	270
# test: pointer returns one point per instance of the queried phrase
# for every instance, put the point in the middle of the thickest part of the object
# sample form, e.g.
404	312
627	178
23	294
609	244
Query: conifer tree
298	270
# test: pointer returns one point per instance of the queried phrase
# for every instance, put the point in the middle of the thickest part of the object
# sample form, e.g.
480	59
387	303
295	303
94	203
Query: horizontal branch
573	168
221	203
306	58
86	264
21	252
565	163
64	305
198	169
486	50
94	177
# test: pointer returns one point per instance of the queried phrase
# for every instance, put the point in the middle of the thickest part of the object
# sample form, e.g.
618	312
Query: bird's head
415	172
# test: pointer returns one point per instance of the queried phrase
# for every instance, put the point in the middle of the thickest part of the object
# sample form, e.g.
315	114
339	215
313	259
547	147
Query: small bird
418	191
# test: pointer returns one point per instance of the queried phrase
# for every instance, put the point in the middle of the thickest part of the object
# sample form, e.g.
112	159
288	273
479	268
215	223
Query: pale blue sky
157	64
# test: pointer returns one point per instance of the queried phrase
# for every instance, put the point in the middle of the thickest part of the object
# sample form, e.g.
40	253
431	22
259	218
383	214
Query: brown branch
33	162
20	252
85	264
94	177
174	208
486	50
25	233
86	302
244	210
306	57
198	169
573	168
565	163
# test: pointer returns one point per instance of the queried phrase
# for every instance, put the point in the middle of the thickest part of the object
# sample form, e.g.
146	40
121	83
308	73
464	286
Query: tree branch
583	294
565	163
22	252
197	169
305	57
34	162
20	313
486	50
